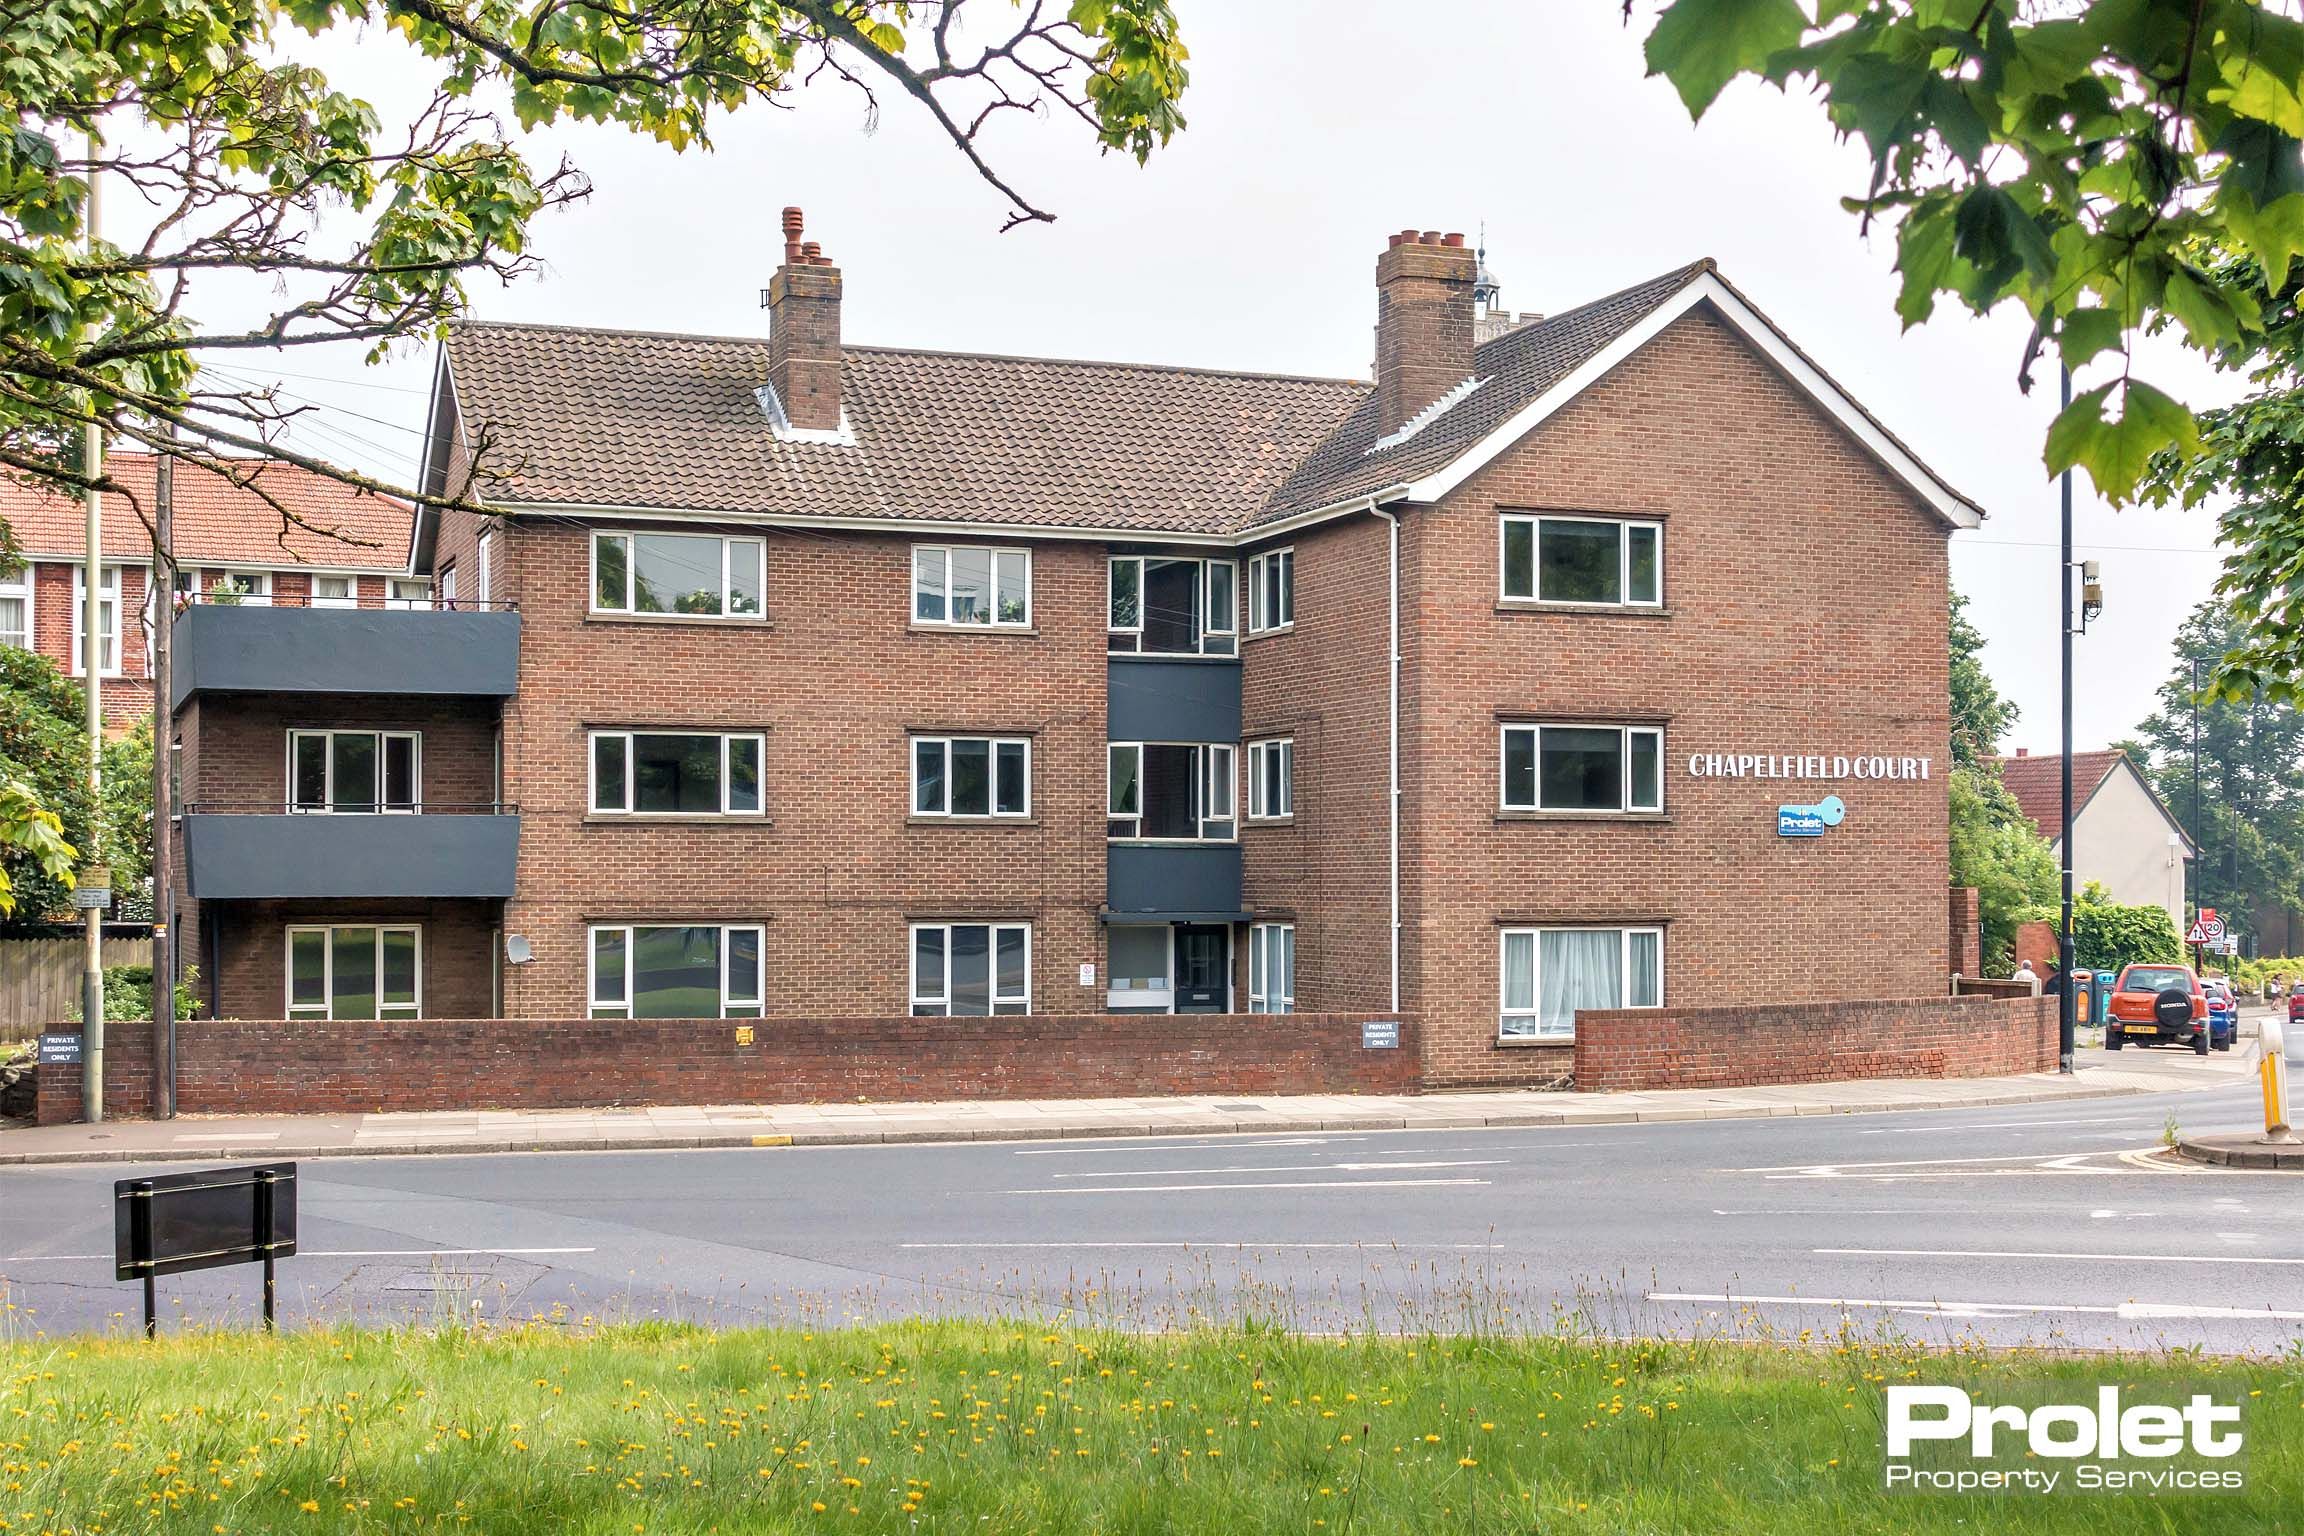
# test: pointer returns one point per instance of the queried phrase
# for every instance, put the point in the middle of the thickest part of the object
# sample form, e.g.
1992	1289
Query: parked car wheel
2113	1040
2200	1044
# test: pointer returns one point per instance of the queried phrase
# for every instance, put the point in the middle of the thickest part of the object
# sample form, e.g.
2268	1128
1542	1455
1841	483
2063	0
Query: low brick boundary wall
272	1066
1633	1048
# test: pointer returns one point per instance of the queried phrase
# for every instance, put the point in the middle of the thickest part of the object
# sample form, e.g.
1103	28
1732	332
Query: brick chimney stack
804	332
1424	321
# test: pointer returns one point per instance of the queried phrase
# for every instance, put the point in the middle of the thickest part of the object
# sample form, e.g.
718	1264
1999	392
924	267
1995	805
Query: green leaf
2115	453
1701	45
2273	234
2087	333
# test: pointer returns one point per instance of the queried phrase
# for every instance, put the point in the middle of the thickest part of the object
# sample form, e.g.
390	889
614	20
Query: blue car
2223	1014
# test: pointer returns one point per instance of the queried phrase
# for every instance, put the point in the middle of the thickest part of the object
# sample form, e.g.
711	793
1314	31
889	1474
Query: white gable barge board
1956	510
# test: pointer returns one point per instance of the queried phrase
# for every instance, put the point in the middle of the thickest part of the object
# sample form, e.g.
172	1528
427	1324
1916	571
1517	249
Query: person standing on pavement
2025	973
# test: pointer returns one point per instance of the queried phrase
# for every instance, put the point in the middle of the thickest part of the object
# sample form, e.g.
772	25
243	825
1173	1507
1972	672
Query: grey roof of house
637	419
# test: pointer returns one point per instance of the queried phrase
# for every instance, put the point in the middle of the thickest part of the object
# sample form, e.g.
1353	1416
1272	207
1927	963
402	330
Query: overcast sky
1316	126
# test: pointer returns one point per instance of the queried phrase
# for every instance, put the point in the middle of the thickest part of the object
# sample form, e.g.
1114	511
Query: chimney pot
813	253
1429	237
2023	751
1454	241
793	224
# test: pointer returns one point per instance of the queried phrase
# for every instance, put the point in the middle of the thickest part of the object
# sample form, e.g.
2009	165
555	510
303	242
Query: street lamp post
2065	1022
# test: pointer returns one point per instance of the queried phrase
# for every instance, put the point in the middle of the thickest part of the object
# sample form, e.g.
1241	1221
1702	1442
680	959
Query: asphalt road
2031	1223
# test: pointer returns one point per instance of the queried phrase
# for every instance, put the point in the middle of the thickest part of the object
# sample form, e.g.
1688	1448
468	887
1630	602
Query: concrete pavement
650	1129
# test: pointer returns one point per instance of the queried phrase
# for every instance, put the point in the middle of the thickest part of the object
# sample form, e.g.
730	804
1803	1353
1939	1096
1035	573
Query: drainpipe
1392	668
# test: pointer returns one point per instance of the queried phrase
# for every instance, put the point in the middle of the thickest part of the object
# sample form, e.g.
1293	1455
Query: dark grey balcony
246	852
1169	698
1173	881
464	653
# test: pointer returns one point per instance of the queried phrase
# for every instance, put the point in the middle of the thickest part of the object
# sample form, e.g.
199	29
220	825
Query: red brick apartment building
1578	662
332	546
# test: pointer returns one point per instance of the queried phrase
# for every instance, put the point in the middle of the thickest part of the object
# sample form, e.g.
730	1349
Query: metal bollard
2274	1071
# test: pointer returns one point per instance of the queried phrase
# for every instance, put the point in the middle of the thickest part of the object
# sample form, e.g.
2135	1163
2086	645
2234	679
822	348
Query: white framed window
1172	606
968	777
692	575
355	971
241	589
971	969
1271	591
676	773
1139	964
407	592
969	587
675	970
1604	562
107	616
1272	968
1271	779
355	772
446	585
483	568
1171	791
16	608
1597	768
332	591
1547	974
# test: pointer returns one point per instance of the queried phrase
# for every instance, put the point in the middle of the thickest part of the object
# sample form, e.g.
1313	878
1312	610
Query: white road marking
334	1253
1371	1246
2019	1253
1154	1173
1163	1145
2128	1310
1177	1189
1916	1162
2002	1125
1833	1210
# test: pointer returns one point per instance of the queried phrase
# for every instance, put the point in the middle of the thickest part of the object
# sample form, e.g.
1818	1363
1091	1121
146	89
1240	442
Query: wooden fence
40	979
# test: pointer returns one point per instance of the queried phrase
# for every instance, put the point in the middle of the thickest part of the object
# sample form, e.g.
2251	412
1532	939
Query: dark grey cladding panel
226	649
1157	879
236	858
1156	699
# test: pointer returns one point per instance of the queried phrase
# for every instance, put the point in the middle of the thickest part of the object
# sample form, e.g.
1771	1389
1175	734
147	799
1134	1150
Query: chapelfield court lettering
1805	765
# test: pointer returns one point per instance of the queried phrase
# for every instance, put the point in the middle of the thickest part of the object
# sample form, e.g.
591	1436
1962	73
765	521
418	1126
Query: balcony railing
245	643
237	850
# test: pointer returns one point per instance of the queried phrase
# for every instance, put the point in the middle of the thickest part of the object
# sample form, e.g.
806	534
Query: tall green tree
46	814
2249	828
2112	168
369	227
1994	846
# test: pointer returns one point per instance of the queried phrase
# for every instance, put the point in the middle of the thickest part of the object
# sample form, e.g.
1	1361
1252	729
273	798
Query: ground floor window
676	971
355	973
1272	968
962	969
1549	973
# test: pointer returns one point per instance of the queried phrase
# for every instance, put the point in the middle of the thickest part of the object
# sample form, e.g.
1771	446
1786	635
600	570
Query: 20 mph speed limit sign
2207	928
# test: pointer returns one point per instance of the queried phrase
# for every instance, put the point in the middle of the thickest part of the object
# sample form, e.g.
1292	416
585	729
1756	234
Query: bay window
963	587
1271	591
1583	768
355	972
1271	779
1272	968
675	971
354	772
1159	606
692	575
1550	973
671	773
1171	791
968	776
971	969
1600	561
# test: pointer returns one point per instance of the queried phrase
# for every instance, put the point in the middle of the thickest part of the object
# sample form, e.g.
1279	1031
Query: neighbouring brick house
1576	663
335	545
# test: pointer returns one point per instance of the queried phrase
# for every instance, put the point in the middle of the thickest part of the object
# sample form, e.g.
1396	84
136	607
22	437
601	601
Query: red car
2157	1005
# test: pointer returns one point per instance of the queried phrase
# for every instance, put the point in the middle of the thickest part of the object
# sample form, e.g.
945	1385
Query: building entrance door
1203	968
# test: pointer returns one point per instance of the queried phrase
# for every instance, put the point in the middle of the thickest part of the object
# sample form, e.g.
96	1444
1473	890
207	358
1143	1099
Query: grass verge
998	1428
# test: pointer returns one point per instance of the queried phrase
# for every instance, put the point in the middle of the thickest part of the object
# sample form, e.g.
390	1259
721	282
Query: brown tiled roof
2037	784
636	419
1516	367
218	518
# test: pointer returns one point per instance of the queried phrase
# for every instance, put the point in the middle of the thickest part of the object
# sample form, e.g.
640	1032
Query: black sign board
204	1220
60	1050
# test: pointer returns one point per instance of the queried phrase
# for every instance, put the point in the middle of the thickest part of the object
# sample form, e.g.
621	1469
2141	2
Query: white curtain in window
1644	969
1582	968
1519	981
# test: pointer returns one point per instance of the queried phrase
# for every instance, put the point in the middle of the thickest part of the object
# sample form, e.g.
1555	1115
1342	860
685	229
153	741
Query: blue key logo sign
1810	820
